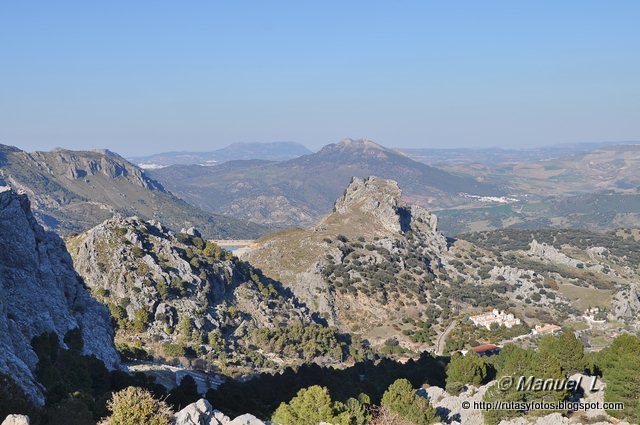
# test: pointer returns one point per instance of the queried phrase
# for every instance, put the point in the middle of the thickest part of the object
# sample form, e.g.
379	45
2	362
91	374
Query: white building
495	316
546	329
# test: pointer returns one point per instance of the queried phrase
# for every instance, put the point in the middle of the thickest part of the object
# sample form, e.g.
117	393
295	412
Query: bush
469	369
184	394
402	399
174	350
140	320
314	405
137	252
135	406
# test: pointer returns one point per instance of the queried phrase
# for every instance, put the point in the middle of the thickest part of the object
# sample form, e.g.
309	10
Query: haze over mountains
273	151
588	188
300	190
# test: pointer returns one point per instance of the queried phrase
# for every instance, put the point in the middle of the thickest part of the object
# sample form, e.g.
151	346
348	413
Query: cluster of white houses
507	320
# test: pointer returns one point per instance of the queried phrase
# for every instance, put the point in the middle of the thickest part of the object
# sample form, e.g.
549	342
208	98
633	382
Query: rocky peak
41	292
372	196
361	147
382	199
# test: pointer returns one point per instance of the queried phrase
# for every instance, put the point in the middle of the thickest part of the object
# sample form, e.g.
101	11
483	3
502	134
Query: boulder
198	413
246	419
16	420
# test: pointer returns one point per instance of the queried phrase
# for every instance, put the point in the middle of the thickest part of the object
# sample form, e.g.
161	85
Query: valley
372	285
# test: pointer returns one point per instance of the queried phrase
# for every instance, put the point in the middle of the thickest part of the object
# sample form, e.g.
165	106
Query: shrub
469	369
402	399
137	252
140	320
135	406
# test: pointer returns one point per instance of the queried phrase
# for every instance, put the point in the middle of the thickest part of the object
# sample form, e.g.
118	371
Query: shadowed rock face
40	292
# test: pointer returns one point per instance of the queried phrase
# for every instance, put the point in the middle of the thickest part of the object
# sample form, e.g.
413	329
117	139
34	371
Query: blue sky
148	76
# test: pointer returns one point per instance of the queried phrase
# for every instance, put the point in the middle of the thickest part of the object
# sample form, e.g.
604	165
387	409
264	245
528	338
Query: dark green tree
620	366
566	349
401	398
463	370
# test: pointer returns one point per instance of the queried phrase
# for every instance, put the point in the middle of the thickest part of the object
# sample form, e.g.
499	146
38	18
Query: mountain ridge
299	191
72	191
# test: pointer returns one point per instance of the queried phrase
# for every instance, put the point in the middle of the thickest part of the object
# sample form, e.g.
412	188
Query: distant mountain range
274	151
493	156
300	190
72	191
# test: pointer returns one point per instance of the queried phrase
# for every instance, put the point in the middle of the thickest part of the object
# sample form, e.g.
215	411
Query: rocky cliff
178	294
40	292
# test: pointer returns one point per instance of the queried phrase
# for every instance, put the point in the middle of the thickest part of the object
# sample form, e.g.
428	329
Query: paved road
442	338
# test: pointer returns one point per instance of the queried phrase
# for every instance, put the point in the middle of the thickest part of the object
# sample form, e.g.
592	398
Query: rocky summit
367	262
40	292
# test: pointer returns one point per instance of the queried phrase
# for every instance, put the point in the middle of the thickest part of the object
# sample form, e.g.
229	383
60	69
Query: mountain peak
360	143
359	146
381	200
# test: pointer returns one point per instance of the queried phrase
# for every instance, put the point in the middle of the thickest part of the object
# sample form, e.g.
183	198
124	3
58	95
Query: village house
495	316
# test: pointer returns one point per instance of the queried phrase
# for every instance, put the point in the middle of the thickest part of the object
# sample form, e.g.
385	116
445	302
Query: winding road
442	338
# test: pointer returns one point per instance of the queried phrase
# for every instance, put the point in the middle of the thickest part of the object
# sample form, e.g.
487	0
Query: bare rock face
626	303
40	292
16	420
377	197
202	413
549	252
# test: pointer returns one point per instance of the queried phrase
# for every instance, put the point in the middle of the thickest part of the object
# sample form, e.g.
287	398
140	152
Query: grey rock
198	413
246	419
41	292
375	196
16	420
202	413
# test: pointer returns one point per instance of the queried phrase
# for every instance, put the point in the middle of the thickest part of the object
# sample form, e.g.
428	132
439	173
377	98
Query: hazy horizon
149	77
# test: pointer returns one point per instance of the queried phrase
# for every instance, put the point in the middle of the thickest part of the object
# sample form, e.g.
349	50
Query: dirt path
442	338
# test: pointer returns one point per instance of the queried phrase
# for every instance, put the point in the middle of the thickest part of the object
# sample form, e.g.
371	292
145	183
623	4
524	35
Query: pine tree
402	399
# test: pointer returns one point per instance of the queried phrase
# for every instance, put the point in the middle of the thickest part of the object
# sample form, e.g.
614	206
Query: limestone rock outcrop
41	292
159	280
202	413
16	420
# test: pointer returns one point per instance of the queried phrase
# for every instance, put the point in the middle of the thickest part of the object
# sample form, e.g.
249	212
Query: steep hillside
301	190
179	296
274	151
379	268
40	292
73	191
367	266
